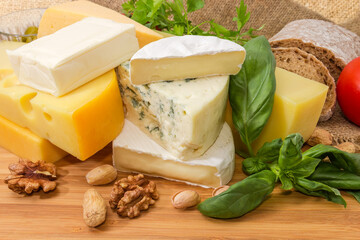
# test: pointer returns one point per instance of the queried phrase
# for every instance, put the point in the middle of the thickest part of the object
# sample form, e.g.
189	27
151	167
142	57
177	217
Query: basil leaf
343	160
253	165
252	91
286	182
268	153
193	5
355	194
241	197
290	152
313	188
330	175
305	167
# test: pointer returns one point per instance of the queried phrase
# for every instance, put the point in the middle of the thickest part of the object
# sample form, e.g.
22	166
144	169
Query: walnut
320	136
27	176
132	194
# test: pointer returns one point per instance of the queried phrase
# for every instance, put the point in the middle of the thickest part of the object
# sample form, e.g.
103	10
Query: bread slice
333	45
307	65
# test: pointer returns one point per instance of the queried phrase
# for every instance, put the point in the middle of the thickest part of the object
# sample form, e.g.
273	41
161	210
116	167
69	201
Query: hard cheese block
183	57
21	141
25	144
133	151
81	122
62	15
74	55
185	117
297	106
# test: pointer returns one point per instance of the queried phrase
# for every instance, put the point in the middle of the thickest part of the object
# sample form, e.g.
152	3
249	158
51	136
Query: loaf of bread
306	65
331	44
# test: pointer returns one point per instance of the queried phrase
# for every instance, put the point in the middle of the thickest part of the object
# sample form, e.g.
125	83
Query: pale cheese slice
67	13
133	151
74	55
191	56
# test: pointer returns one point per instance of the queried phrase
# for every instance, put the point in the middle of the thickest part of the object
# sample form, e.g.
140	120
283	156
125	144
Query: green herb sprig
172	16
282	161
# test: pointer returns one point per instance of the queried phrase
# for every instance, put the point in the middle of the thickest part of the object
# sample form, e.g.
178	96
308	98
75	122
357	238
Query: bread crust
335	46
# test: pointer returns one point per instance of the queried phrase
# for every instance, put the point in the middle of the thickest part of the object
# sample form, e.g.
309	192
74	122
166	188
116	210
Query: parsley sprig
172	16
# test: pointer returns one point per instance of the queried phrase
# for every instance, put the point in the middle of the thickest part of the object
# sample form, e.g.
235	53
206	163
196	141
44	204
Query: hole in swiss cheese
25	102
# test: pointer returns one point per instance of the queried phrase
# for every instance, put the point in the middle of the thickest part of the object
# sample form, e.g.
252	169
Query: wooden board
58	215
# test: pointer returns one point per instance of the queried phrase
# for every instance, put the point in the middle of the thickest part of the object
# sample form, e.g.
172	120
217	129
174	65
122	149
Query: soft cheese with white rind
63	61
183	57
133	151
185	117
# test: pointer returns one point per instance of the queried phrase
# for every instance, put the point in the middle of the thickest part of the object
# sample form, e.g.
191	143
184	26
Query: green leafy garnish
240	198
252	91
340	159
338	178
305	172
172	16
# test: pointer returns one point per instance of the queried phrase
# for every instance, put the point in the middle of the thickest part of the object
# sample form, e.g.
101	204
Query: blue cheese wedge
185	117
133	151
180	57
61	62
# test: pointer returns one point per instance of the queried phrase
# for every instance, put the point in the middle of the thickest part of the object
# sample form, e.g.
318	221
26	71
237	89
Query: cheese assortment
81	122
25	144
185	117
133	151
297	107
184	57
62	15
63	90
63	61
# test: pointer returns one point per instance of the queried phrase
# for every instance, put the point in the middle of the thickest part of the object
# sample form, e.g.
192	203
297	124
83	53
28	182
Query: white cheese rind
183	57
185	117
61	62
133	151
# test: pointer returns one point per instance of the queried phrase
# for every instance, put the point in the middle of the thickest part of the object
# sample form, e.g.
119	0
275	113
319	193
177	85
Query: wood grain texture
58	215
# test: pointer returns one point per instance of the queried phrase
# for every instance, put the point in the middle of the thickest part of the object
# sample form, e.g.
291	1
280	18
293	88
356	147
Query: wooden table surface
58	215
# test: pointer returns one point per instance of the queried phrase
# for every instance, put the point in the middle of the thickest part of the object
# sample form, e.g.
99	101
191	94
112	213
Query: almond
219	190
94	208
101	175
185	199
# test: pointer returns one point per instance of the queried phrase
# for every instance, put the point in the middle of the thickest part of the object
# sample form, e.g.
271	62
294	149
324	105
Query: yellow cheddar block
25	144
81	122
297	107
62	15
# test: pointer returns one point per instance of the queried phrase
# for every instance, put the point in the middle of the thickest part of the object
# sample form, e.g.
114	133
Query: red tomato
348	91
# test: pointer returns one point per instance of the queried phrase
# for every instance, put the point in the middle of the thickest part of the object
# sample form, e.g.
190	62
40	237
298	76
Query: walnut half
27	176
132	194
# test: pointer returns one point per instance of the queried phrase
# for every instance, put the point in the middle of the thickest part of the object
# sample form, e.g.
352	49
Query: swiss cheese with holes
81	122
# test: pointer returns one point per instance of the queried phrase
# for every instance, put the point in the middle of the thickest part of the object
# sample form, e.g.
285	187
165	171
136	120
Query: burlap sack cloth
273	13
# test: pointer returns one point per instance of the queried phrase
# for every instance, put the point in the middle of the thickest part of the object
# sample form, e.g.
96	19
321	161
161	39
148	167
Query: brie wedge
133	151
183	57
